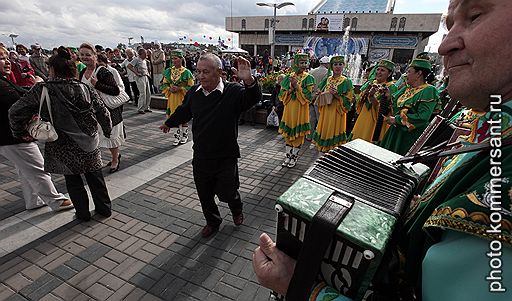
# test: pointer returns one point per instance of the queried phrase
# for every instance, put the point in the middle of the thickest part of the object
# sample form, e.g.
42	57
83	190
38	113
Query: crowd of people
452	215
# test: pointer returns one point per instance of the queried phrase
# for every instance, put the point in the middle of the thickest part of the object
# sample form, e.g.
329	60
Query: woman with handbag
36	184
76	111
97	76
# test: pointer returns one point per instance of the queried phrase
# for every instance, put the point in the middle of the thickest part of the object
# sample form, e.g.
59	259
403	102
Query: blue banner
394	42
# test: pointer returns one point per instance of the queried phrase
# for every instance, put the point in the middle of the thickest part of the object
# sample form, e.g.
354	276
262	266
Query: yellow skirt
331	128
174	100
365	124
294	125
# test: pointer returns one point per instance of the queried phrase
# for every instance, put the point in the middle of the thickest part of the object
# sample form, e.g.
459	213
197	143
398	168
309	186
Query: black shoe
208	231
148	111
238	219
114	169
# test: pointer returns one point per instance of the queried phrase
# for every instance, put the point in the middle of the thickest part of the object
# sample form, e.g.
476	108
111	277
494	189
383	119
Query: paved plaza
151	248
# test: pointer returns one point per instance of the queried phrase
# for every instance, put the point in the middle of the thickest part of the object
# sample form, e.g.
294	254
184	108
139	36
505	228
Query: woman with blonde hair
97	76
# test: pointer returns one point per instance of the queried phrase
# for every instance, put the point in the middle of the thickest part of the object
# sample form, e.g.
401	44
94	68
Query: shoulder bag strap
44	95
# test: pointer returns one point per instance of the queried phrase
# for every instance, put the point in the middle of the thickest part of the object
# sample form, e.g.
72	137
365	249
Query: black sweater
9	94
215	126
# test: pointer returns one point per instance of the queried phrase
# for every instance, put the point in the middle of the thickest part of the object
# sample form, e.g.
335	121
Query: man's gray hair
212	58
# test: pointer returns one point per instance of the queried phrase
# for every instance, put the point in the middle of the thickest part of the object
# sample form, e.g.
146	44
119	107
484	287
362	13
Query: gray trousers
314	115
36	184
144	93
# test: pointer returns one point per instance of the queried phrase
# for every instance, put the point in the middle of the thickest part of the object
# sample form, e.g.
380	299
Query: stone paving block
129	267
73	248
142	281
86	278
94	252
152	248
169	240
46	248
99	291
135	246
16	297
234	281
50	297
18	282
105	264
122	218
238	265
122	236
41	287
135	295
173	289
58	261
129	225
248	292
146	235
127	243
111	282
213	278
150	297
77	264
111	241
195	291
152	272
12	267
215	297
162	284
64	272
121	293
144	256
114	223
227	291
33	272
84	241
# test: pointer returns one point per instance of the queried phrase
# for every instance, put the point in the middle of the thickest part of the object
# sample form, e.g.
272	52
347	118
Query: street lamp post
13	36
130	41
272	35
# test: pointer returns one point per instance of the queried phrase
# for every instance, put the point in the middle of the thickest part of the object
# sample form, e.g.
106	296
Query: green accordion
345	208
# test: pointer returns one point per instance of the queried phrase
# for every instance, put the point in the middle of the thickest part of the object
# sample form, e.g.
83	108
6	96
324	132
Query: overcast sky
108	22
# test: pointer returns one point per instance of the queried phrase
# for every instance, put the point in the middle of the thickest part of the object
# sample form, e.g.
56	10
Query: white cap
324	60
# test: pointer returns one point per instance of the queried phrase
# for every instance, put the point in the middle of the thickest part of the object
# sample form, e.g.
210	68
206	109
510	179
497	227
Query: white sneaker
286	160
176	138
184	138
293	161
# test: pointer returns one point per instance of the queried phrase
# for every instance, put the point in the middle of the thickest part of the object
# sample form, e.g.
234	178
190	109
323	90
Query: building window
244	24
393	23
353	26
304	23
311	23
346	23
267	22
401	25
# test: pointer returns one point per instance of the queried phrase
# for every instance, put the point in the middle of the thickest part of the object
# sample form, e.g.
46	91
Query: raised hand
244	71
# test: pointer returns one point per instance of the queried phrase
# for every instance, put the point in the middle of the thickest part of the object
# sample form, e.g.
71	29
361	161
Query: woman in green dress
412	109
333	104
368	103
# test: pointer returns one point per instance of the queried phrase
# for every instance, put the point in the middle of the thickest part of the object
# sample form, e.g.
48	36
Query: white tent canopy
233	50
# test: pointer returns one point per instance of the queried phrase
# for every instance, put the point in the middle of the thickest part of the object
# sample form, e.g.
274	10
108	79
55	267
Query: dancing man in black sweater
215	106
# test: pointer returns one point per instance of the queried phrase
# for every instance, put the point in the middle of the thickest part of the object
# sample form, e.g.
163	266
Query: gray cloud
52	22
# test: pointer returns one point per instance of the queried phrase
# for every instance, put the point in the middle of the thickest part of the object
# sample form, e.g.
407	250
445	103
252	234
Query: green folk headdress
177	53
421	63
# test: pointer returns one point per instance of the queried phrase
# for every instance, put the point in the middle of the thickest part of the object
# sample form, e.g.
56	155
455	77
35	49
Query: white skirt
116	136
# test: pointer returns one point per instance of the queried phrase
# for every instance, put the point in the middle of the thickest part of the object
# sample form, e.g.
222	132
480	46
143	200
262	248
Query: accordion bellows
380	191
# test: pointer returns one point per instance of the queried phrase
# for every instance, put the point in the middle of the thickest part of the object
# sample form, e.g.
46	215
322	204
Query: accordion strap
318	238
